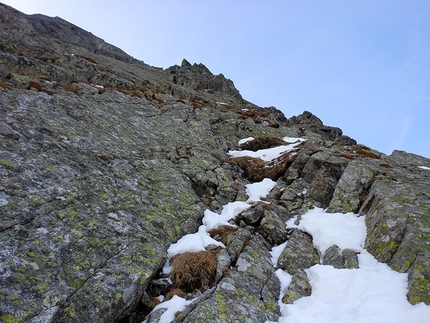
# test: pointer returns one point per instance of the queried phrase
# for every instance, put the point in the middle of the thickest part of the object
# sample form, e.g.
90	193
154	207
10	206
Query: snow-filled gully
371	293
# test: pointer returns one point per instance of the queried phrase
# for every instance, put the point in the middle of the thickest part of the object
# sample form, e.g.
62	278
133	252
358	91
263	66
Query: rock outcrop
106	161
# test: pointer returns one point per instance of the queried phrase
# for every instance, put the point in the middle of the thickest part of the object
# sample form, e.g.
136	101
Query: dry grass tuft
252	113
129	92
142	88
193	270
255	169
263	142
4	86
197	105
222	232
48	92
347	156
112	71
181	101
49	57
77	65
38	76
154	302
175	291
365	153
89	59
35	85
386	165
272	124
69	88
155	98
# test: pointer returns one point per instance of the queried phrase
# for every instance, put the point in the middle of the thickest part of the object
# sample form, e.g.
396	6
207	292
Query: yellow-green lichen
10	319
8	163
220	304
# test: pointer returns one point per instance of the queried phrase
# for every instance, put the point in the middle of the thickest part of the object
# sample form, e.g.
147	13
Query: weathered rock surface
105	161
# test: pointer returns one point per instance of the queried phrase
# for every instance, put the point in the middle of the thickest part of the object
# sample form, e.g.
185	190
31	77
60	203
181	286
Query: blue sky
363	66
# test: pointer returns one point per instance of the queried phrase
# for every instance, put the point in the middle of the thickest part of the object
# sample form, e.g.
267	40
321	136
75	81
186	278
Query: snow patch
257	191
267	154
371	293
276	252
328	229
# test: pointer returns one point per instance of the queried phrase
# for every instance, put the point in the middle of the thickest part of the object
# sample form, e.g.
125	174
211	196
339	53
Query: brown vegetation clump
159	100
142	88
154	302
222	232
4	86
89	59
48	92
69	88
77	65
129	92
35	85
49	57
252	113
386	165
347	156
256	169
272	124
112	71
366	153
193	270
196	105
263	142
175	291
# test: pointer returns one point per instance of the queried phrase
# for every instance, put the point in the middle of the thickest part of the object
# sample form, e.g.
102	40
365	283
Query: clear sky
363	66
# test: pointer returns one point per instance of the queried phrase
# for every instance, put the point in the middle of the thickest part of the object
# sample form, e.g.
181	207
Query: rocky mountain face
106	161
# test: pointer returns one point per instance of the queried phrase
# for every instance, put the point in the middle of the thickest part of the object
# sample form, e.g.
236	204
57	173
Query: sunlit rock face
105	162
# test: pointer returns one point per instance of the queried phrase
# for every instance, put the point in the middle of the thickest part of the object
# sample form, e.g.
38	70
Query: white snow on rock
266	154
328	229
257	191
372	293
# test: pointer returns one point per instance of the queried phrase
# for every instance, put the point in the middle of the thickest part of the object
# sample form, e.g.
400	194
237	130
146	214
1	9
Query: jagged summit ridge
106	162
199	78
